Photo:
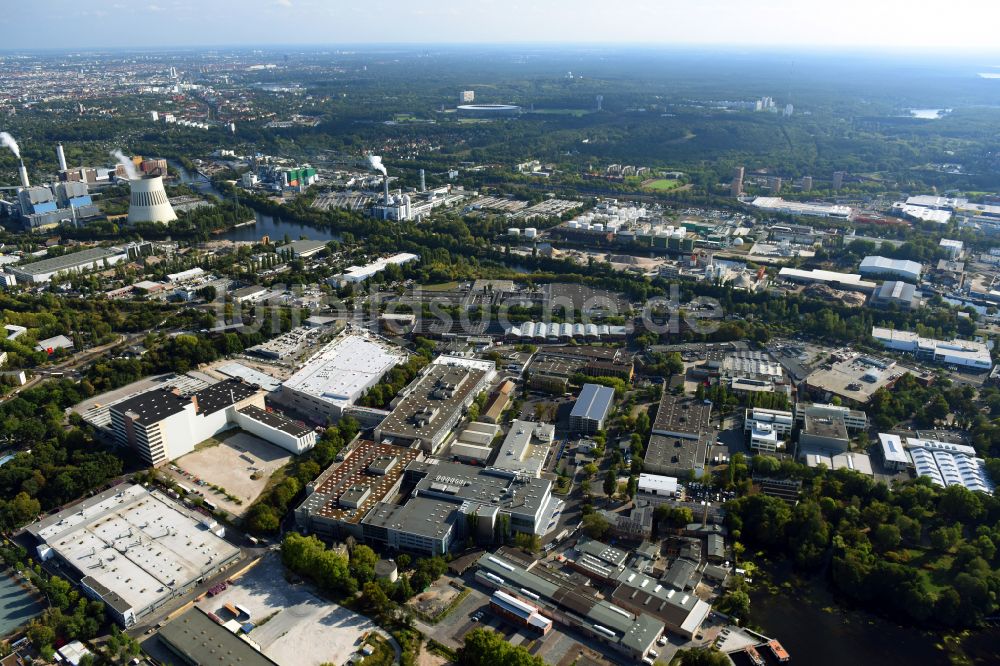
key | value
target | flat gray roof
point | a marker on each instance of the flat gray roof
(421, 516)
(67, 261)
(198, 639)
(682, 417)
(435, 395)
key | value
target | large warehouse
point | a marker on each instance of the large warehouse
(961, 353)
(75, 262)
(338, 374)
(134, 549)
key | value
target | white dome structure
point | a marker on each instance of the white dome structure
(149, 202)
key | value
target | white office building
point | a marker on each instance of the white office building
(962, 353)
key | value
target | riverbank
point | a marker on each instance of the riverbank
(820, 630)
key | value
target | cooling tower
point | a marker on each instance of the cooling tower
(149, 201)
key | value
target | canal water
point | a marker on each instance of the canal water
(805, 617)
(266, 225)
(17, 605)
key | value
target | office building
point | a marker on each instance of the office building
(854, 419)
(338, 374)
(884, 266)
(894, 455)
(591, 408)
(954, 248)
(966, 354)
(133, 549)
(163, 425)
(780, 421)
(823, 432)
(423, 526)
(838, 179)
(428, 409)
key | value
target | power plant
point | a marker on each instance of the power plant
(23, 172)
(149, 202)
(61, 157)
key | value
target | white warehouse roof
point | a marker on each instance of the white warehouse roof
(886, 266)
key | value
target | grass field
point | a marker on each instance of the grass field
(661, 184)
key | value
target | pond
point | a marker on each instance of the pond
(17, 604)
(805, 617)
(277, 229)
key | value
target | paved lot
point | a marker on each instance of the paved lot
(302, 629)
(230, 465)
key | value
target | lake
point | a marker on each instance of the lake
(17, 605)
(805, 617)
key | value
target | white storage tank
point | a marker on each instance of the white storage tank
(513, 231)
(530, 232)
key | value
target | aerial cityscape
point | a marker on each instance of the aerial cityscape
(566, 334)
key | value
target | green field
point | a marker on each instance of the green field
(562, 112)
(662, 184)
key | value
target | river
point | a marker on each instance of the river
(266, 225)
(17, 605)
(805, 617)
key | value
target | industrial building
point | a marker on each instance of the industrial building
(591, 408)
(303, 249)
(134, 549)
(148, 201)
(542, 331)
(163, 425)
(947, 464)
(355, 274)
(962, 353)
(525, 448)
(779, 205)
(428, 409)
(74, 262)
(849, 281)
(275, 428)
(338, 499)
(684, 418)
(520, 612)
(195, 638)
(767, 428)
(338, 374)
(886, 267)
(656, 489)
(896, 292)
(422, 525)
(577, 607)
(680, 611)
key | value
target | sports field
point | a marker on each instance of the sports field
(661, 184)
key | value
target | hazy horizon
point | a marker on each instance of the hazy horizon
(855, 26)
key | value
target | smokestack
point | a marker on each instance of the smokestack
(385, 181)
(423, 181)
(23, 171)
(61, 156)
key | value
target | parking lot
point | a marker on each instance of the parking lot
(294, 626)
(241, 464)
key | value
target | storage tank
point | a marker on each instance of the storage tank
(574, 225)
(513, 231)
(530, 232)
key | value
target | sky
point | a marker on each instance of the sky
(966, 25)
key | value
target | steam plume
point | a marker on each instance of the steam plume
(8, 141)
(375, 164)
(130, 169)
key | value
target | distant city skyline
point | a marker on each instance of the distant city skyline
(965, 25)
